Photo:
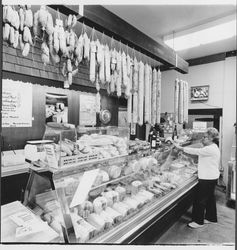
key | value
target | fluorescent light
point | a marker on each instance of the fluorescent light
(205, 36)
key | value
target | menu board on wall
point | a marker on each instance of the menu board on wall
(87, 111)
(16, 103)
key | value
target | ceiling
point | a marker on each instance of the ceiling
(157, 21)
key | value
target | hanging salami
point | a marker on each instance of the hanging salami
(140, 93)
(92, 61)
(153, 97)
(158, 97)
(119, 72)
(181, 94)
(176, 100)
(135, 89)
(146, 93)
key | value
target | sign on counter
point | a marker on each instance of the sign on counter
(16, 103)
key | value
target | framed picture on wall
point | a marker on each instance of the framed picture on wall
(200, 93)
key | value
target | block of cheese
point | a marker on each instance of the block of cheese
(117, 217)
(107, 218)
(99, 204)
(121, 191)
(114, 171)
(122, 208)
(96, 221)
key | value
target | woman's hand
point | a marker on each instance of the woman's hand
(178, 146)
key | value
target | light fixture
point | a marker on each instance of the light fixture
(204, 36)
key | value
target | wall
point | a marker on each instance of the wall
(48, 79)
(221, 77)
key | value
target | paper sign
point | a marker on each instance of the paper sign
(87, 112)
(23, 218)
(133, 129)
(84, 187)
(51, 156)
(16, 103)
(199, 126)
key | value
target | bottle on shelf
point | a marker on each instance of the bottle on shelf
(175, 133)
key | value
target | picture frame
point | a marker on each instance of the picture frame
(199, 93)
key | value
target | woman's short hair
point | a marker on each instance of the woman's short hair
(213, 132)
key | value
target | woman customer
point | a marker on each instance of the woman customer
(204, 205)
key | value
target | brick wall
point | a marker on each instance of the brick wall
(32, 65)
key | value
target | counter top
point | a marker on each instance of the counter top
(8, 227)
(14, 169)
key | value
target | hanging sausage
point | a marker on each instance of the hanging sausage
(146, 93)
(140, 93)
(176, 100)
(158, 97)
(153, 97)
(135, 89)
(181, 94)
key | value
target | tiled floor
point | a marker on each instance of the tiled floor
(219, 234)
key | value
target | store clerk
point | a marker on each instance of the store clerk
(204, 205)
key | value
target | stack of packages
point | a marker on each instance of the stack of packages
(181, 101)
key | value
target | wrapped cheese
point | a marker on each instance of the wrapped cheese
(96, 221)
(107, 218)
(120, 207)
(121, 191)
(116, 216)
(114, 171)
(147, 194)
(136, 186)
(82, 234)
(131, 203)
(99, 204)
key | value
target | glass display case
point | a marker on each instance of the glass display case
(69, 146)
(110, 200)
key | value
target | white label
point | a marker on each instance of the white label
(133, 128)
(51, 156)
(23, 218)
(199, 126)
(84, 187)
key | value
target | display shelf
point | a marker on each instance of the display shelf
(129, 228)
(65, 183)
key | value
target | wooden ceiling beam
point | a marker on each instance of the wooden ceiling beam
(105, 21)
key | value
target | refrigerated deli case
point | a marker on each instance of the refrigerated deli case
(118, 200)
